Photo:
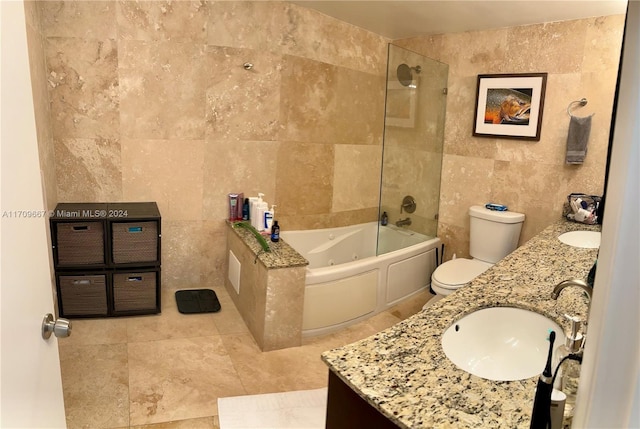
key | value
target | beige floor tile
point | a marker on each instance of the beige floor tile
(167, 371)
(170, 324)
(179, 379)
(201, 423)
(382, 321)
(412, 305)
(229, 320)
(95, 385)
(295, 368)
(97, 331)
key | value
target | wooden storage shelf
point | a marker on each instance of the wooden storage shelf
(107, 258)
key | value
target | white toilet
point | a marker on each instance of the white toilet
(494, 234)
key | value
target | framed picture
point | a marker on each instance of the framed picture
(510, 105)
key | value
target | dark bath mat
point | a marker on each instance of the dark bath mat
(197, 301)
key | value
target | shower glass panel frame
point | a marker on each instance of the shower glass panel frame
(412, 147)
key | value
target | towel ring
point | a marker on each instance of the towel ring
(582, 102)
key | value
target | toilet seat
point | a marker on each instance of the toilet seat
(456, 273)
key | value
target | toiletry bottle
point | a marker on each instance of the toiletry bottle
(253, 210)
(253, 203)
(261, 207)
(245, 209)
(384, 220)
(268, 218)
(239, 206)
(275, 232)
(233, 206)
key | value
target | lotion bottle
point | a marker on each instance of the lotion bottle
(261, 207)
(269, 215)
(253, 203)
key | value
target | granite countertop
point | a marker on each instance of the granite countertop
(281, 255)
(404, 373)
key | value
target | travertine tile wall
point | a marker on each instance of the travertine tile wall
(150, 101)
(44, 127)
(581, 58)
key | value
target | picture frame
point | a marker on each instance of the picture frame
(510, 105)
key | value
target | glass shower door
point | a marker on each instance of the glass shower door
(415, 108)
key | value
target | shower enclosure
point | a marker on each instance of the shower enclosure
(415, 108)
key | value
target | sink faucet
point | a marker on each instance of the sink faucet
(571, 282)
(403, 222)
(577, 283)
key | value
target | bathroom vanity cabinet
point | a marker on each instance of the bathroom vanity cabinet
(346, 409)
(106, 258)
(401, 376)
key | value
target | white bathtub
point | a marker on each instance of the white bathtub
(346, 282)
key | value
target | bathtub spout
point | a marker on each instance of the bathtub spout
(403, 222)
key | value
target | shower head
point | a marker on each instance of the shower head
(405, 73)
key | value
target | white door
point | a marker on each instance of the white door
(31, 387)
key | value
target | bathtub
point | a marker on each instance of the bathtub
(346, 282)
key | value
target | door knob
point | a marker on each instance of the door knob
(61, 328)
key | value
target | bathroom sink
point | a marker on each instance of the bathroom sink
(501, 343)
(584, 239)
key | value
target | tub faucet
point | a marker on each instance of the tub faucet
(403, 222)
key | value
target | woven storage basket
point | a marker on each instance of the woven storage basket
(134, 242)
(134, 291)
(80, 243)
(83, 295)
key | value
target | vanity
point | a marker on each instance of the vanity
(401, 377)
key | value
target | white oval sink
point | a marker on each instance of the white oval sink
(584, 239)
(501, 343)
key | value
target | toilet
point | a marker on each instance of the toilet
(493, 235)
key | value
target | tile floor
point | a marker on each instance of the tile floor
(167, 371)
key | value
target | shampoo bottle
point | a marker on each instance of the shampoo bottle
(275, 232)
(239, 206)
(384, 219)
(245, 209)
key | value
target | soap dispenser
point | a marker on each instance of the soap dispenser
(569, 371)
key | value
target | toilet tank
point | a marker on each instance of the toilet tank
(494, 234)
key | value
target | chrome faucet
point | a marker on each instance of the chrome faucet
(571, 282)
(577, 283)
(403, 222)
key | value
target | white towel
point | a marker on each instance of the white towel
(579, 130)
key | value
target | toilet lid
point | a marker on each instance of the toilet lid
(458, 272)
